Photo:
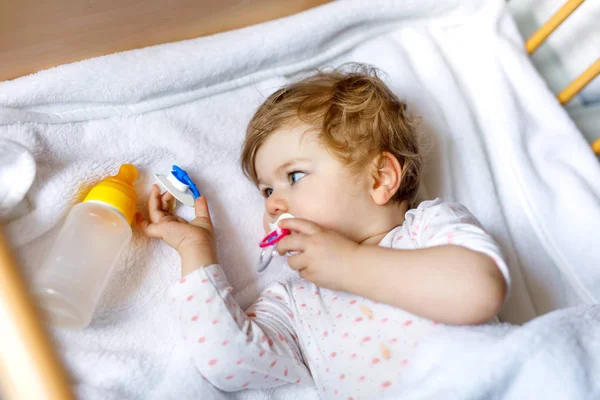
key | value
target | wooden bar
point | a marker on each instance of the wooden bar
(545, 30)
(29, 366)
(596, 147)
(579, 83)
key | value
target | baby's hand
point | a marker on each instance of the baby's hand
(194, 241)
(321, 256)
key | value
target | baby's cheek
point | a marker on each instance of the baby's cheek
(266, 227)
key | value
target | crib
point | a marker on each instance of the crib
(30, 367)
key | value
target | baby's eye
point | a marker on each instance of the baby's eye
(267, 192)
(295, 176)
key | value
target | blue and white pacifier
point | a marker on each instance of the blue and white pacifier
(180, 185)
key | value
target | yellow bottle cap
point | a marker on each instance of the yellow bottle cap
(117, 191)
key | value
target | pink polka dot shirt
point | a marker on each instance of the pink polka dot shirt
(346, 346)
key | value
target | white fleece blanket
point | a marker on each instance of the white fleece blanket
(496, 141)
(556, 356)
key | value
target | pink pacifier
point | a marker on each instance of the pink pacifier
(268, 243)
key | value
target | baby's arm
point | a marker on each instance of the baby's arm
(234, 349)
(457, 276)
(231, 349)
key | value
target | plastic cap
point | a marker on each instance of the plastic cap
(117, 191)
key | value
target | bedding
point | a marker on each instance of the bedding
(495, 140)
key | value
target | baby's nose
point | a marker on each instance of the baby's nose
(276, 205)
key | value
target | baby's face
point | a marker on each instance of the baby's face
(297, 175)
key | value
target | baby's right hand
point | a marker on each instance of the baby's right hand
(194, 241)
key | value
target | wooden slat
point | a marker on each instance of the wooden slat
(29, 366)
(579, 83)
(596, 147)
(545, 30)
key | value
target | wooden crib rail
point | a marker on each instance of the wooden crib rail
(576, 86)
(542, 34)
(582, 80)
(579, 83)
(596, 147)
(29, 366)
(545, 30)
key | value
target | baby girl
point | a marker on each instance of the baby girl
(377, 272)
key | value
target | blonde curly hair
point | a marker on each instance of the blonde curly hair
(357, 117)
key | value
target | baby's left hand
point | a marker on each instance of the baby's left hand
(321, 256)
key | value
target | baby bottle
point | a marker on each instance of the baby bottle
(88, 246)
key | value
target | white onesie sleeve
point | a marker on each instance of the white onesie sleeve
(233, 349)
(437, 224)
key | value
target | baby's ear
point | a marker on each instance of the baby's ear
(386, 177)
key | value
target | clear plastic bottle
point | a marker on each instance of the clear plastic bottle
(87, 248)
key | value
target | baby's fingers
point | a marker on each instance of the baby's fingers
(155, 209)
(298, 261)
(295, 242)
(202, 214)
(146, 227)
(166, 201)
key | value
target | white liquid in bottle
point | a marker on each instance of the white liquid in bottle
(88, 246)
(76, 270)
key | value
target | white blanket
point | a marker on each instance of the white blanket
(496, 141)
(555, 357)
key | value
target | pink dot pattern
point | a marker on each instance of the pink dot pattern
(347, 346)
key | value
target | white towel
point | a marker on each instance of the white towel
(499, 143)
(17, 172)
(554, 357)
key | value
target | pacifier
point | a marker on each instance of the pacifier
(268, 243)
(180, 185)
